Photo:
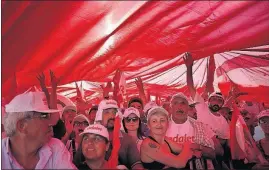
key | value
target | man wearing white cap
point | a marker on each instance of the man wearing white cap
(29, 143)
(183, 128)
(208, 113)
(128, 153)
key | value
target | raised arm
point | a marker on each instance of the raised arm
(53, 96)
(155, 152)
(116, 81)
(140, 87)
(210, 75)
(41, 78)
(189, 63)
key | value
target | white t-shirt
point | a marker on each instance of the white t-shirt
(217, 123)
(180, 132)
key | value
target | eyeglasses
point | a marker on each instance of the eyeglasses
(264, 122)
(44, 116)
(95, 140)
(84, 123)
(134, 119)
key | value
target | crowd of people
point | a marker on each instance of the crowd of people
(182, 132)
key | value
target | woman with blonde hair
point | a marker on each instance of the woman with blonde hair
(159, 152)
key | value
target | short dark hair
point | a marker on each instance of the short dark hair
(135, 99)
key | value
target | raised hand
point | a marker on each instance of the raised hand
(116, 78)
(41, 78)
(106, 89)
(139, 83)
(188, 60)
(54, 81)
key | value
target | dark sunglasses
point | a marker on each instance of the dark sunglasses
(84, 123)
(134, 119)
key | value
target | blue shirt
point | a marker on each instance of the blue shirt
(52, 155)
(258, 133)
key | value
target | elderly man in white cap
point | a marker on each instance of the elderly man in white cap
(128, 154)
(183, 128)
(29, 143)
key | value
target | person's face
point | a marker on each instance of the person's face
(138, 106)
(264, 123)
(215, 103)
(108, 118)
(192, 112)
(247, 117)
(68, 115)
(38, 129)
(158, 124)
(92, 116)
(79, 125)
(94, 147)
(131, 122)
(179, 108)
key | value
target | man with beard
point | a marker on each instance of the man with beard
(29, 143)
(208, 113)
(128, 154)
(185, 129)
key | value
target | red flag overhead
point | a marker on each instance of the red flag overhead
(89, 40)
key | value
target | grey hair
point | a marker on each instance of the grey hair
(11, 119)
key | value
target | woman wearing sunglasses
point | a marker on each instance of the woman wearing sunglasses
(159, 152)
(132, 125)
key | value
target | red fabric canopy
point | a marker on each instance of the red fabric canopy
(88, 40)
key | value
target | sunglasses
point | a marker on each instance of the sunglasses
(134, 119)
(264, 122)
(84, 123)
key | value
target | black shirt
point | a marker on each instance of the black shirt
(59, 130)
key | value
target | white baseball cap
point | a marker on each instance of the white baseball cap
(81, 116)
(70, 107)
(106, 104)
(179, 95)
(149, 105)
(216, 94)
(30, 101)
(156, 109)
(131, 110)
(96, 129)
(264, 113)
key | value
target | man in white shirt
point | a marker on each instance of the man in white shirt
(29, 143)
(208, 113)
(183, 128)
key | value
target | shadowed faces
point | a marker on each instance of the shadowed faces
(108, 118)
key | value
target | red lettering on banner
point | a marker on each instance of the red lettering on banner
(181, 139)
